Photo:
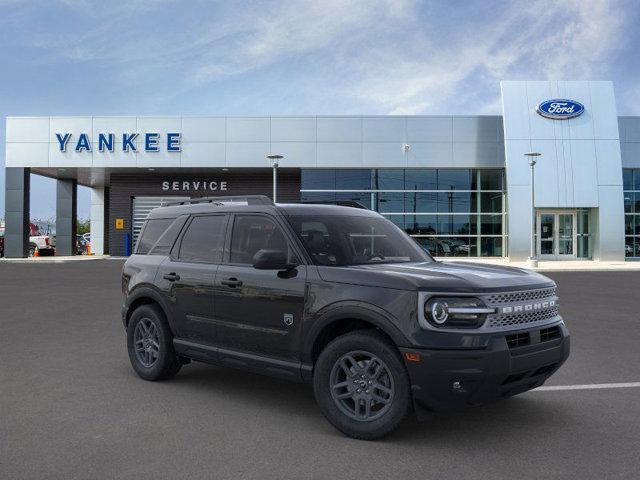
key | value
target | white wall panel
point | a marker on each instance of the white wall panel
(430, 154)
(296, 154)
(339, 129)
(389, 155)
(27, 129)
(384, 129)
(73, 125)
(429, 129)
(341, 154)
(247, 129)
(204, 129)
(248, 154)
(293, 129)
(203, 154)
(26, 154)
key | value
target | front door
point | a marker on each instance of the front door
(556, 235)
(259, 312)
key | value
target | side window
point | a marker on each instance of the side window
(153, 228)
(203, 240)
(168, 238)
(252, 233)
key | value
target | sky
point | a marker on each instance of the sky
(148, 57)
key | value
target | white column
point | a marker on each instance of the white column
(97, 221)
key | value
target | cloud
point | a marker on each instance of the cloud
(391, 56)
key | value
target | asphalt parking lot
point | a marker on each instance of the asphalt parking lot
(72, 408)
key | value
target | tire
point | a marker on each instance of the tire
(343, 394)
(148, 330)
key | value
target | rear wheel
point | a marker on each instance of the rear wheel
(361, 385)
(150, 344)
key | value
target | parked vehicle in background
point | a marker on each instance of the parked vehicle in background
(45, 244)
(81, 245)
(339, 297)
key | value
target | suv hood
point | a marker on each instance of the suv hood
(462, 277)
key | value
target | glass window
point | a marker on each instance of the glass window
(457, 225)
(490, 224)
(318, 197)
(390, 202)
(421, 179)
(458, 202)
(491, 247)
(354, 240)
(353, 179)
(454, 179)
(203, 240)
(318, 179)
(636, 179)
(363, 198)
(421, 202)
(491, 202)
(490, 179)
(398, 220)
(151, 232)
(252, 233)
(421, 224)
(629, 224)
(627, 178)
(389, 179)
(168, 238)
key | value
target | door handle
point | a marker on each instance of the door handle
(172, 277)
(232, 282)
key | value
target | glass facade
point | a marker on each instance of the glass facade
(450, 212)
(631, 181)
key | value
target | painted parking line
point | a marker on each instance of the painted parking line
(590, 386)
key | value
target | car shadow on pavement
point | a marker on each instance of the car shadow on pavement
(530, 412)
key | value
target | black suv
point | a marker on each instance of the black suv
(339, 297)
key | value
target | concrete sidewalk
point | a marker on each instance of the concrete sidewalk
(556, 266)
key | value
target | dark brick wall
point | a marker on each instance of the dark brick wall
(123, 187)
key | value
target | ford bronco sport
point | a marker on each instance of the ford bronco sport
(339, 297)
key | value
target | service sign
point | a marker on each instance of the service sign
(106, 142)
(560, 109)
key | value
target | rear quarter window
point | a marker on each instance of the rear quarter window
(151, 233)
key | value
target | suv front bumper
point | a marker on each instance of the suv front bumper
(447, 379)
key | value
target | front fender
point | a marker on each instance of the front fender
(353, 310)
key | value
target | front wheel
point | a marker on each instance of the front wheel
(150, 344)
(361, 385)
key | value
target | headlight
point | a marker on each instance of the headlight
(455, 312)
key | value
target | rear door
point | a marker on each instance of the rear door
(187, 276)
(259, 311)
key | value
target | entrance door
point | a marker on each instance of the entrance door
(557, 235)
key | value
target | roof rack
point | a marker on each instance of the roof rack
(340, 203)
(224, 200)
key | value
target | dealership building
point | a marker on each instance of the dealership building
(461, 185)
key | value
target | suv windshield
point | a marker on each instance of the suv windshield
(342, 240)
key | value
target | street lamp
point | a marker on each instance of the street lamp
(532, 261)
(274, 163)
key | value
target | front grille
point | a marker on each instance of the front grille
(521, 296)
(523, 318)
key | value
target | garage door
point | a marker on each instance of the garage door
(141, 208)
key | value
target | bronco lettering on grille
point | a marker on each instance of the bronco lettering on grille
(527, 307)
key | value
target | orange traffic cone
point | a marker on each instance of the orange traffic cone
(36, 253)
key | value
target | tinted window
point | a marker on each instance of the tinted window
(252, 233)
(168, 238)
(204, 239)
(451, 179)
(153, 228)
(339, 240)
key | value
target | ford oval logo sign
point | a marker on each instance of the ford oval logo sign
(560, 109)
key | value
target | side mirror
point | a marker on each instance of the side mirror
(272, 260)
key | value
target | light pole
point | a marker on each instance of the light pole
(532, 261)
(274, 163)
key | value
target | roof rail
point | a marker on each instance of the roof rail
(340, 203)
(222, 200)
